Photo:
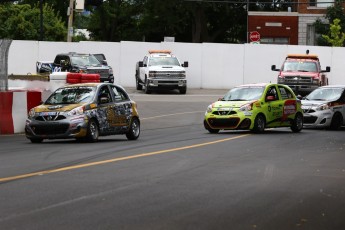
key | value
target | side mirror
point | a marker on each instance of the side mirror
(141, 64)
(104, 62)
(185, 64)
(328, 69)
(274, 68)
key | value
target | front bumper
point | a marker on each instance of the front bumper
(230, 122)
(318, 119)
(73, 127)
(302, 88)
(167, 83)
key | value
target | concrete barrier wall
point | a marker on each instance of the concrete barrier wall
(210, 65)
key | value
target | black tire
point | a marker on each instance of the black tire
(297, 123)
(111, 79)
(139, 86)
(209, 129)
(134, 129)
(337, 121)
(183, 90)
(36, 140)
(259, 123)
(92, 131)
(147, 87)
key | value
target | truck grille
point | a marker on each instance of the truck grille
(169, 74)
(298, 79)
(104, 73)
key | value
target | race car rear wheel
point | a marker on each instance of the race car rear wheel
(337, 121)
(259, 123)
(297, 123)
(134, 129)
(92, 131)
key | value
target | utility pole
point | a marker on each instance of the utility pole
(70, 21)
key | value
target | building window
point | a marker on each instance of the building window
(268, 40)
(311, 35)
(321, 3)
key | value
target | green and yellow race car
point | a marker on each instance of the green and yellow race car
(255, 107)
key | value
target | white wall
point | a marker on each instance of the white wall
(211, 65)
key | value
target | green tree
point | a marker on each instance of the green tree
(333, 12)
(336, 37)
(22, 22)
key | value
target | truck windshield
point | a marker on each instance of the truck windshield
(85, 60)
(244, 94)
(299, 66)
(71, 95)
(153, 61)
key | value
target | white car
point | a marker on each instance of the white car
(325, 107)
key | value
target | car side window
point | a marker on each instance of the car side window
(104, 95)
(272, 91)
(285, 93)
(120, 95)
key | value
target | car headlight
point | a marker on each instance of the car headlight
(209, 108)
(152, 73)
(316, 81)
(76, 111)
(323, 107)
(280, 79)
(246, 107)
(31, 113)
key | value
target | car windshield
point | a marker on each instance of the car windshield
(244, 94)
(85, 60)
(163, 61)
(325, 94)
(300, 66)
(71, 95)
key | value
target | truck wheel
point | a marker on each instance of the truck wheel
(147, 87)
(183, 90)
(297, 123)
(111, 79)
(139, 86)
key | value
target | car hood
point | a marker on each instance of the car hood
(56, 108)
(313, 103)
(302, 74)
(229, 104)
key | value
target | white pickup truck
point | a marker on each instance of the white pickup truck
(161, 70)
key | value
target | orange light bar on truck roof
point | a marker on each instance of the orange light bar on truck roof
(303, 56)
(160, 51)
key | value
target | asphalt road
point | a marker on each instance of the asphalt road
(176, 176)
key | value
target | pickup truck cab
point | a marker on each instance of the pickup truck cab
(161, 70)
(78, 63)
(302, 72)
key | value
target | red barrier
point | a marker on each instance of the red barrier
(6, 121)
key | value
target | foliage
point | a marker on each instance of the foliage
(333, 12)
(22, 22)
(336, 37)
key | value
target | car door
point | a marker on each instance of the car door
(105, 110)
(289, 104)
(122, 108)
(274, 107)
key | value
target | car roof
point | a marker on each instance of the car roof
(255, 85)
(91, 84)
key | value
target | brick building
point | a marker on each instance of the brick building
(293, 27)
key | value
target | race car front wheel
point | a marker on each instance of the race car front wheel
(259, 123)
(92, 131)
(134, 130)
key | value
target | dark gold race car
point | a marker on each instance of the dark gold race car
(85, 112)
